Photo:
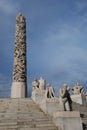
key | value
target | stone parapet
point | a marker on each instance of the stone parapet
(51, 105)
(79, 98)
(68, 120)
(38, 95)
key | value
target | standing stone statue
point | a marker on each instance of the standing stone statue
(42, 84)
(65, 97)
(49, 92)
(35, 84)
(77, 89)
(19, 83)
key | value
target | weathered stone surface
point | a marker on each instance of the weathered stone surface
(83, 113)
(23, 114)
(50, 106)
(65, 97)
(42, 83)
(39, 84)
(38, 95)
(35, 84)
(77, 89)
(49, 92)
(68, 120)
(19, 70)
(86, 97)
(79, 98)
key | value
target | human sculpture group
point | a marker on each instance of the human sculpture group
(64, 92)
(41, 84)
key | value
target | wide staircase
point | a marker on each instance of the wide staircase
(83, 113)
(23, 114)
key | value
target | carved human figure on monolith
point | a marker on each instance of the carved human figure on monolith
(49, 92)
(42, 83)
(77, 89)
(65, 97)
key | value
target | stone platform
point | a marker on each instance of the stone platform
(83, 113)
(24, 114)
(67, 120)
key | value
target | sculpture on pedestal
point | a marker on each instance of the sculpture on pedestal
(65, 97)
(35, 84)
(42, 83)
(77, 89)
(49, 91)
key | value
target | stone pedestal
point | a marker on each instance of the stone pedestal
(38, 95)
(18, 90)
(51, 105)
(67, 120)
(80, 99)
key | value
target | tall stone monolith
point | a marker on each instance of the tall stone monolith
(19, 83)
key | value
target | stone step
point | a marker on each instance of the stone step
(38, 129)
(8, 124)
(23, 114)
(14, 128)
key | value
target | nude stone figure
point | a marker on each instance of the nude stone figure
(42, 84)
(49, 91)
(65, 97)
(35, 84)
(77, 89)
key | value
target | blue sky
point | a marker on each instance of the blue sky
(56, 41)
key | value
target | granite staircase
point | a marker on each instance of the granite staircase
(83, 113)
(23, 114)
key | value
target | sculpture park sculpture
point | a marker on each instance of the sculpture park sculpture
(77, 89)
(35, 84)
(65, 98)
(42, 83)
(49, 91)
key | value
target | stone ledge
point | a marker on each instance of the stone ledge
(65, 114)
(68, 120)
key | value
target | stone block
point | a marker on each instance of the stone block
(18, 90)
(38, 95)
(80, 99)
(86, 97)
(68, 120)
(51, 105)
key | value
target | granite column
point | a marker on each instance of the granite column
(19, 83)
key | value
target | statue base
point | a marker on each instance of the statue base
(51, 105)
(68, 120)
(18, 90)
(38, 95)
(80, 99)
